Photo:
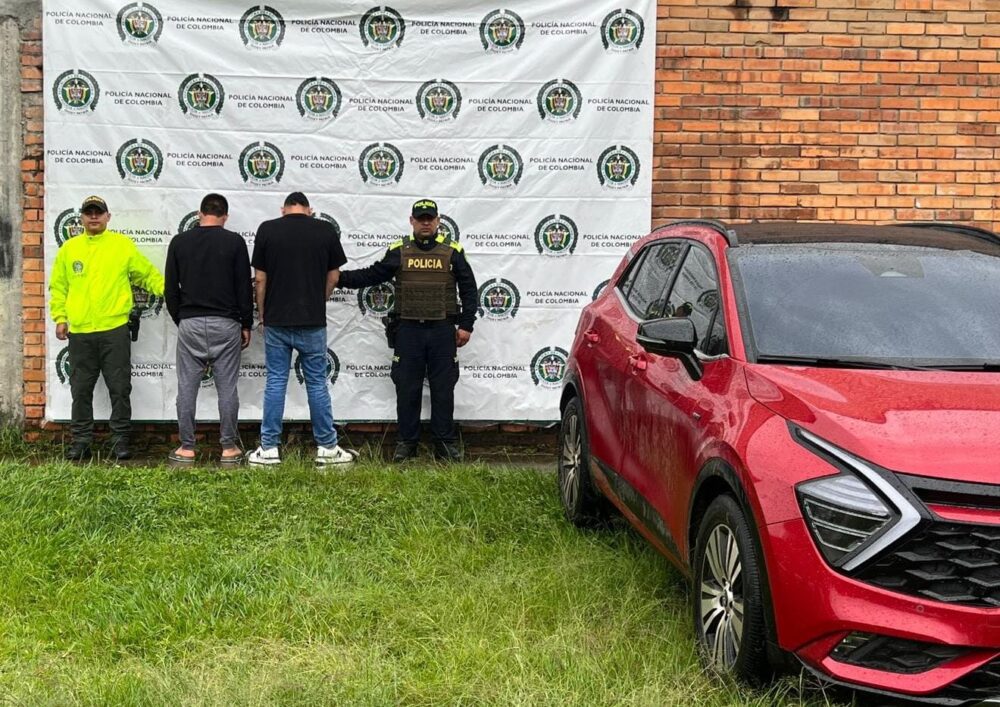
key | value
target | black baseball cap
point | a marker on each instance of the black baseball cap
(424, 207)
(296, 198)
(94, 202)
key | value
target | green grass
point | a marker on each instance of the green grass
(374, 586)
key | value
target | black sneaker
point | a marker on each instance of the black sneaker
(447, 452)
(78, 452)
(404, 452)
(120, 450)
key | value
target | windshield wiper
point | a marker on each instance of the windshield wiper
(986, 366)
(872, 363)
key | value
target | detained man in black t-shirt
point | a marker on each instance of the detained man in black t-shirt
(297, 260)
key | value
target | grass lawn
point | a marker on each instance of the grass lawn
(374, 586)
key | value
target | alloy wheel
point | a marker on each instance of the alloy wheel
(722, 600)
(570, 460)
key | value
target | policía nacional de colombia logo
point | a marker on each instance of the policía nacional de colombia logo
(501, 31)
(378, 300)
(382, 28)
(548, 367)
(262, 27)
(318, 98)
(139, 161)
(622, 31)
(499, 299)
(500, 166)
(62, 365)
(556, 235)
(68, 225)
(261, 163)
(559, 101)
(139, 23)
(381, 164)
(330, 220)
(448, 228)
(439, 100)
(76, 91)
(190, 220)
(201, 95)
(332, 368)
(148, 304)
(618, 167)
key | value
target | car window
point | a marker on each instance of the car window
(893, 302)
(695, 295)
(651, 277)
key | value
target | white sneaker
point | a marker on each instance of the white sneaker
(335, 455)
(264, 457)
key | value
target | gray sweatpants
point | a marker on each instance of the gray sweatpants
(205, 343)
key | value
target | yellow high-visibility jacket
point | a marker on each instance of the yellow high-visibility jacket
(91, 283)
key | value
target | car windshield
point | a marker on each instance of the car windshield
(894, 303)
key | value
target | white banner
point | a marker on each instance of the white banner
(531, 124)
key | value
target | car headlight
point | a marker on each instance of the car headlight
(856, 514)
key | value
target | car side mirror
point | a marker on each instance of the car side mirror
(675, 337)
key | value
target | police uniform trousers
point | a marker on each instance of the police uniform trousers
(425, 350)
(101, 353)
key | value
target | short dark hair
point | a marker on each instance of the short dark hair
(214, 205)
(296, 198)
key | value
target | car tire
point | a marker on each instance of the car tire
(582, 503)
(728, 594)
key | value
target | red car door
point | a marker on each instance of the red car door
(667, 414)
(603, 365)
(605, 338)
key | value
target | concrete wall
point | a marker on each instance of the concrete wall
(15, 17)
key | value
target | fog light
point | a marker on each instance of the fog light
(893, 655)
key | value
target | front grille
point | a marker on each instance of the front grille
(981, 684)
(893, 655)
(956, 563)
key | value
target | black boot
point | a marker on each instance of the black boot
(404, 452)
(447, 452)
(121, 450)
(78, 452)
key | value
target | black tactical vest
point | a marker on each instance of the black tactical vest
(425, 285)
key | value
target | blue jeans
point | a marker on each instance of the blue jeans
(310, 342)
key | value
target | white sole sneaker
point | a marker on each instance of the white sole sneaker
(335, 456)
(259, 457)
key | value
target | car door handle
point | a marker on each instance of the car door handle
(591, 337)
(638, 362)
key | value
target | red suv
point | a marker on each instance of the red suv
(804, 418)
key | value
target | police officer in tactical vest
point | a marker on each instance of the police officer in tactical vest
(429, 323)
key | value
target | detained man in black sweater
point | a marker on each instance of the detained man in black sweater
(210, 297)
(428, 325)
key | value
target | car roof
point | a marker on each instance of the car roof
(945, 236)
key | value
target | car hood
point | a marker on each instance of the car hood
(944, 424)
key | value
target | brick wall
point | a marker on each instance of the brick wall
(33, 276)
(862, 110)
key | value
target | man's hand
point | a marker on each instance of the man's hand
(62, 331)
(462, 337)
(244, 338)
(332, 278)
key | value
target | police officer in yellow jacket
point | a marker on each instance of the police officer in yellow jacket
(90, 301)
(429, 323)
